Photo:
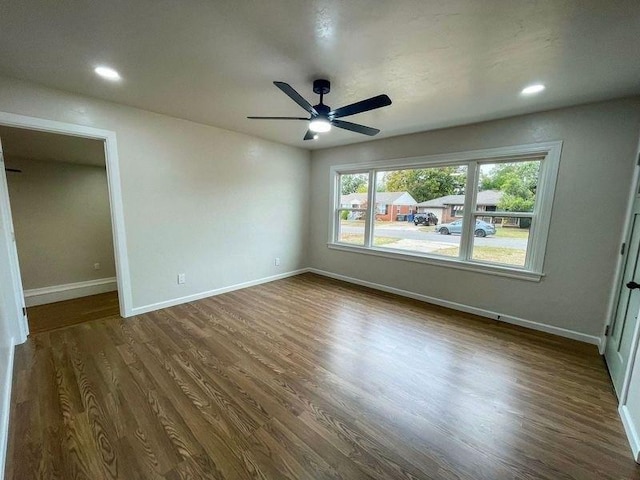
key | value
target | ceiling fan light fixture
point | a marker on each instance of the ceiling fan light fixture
(322, 118)
(319, 125)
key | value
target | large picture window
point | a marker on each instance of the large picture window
(487, 210)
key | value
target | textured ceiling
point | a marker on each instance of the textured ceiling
(442, 62)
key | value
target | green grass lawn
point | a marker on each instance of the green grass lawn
(506, 256)
(512, 232)
(358, 239)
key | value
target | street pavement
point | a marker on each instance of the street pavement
(411, 237)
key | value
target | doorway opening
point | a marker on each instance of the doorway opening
(61, 225)
(59, 201)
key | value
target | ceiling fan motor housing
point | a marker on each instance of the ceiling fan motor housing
(321, 86)
(322, 109)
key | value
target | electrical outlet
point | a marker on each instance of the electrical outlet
(181, 278)
(276, 262)
(96, 266)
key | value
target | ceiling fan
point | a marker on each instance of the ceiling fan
(322, 117)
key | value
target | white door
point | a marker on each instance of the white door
(621, 330)
(10, 281)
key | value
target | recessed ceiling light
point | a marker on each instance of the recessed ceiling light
(533, 89)
(108, 73)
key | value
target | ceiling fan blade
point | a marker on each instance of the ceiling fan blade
(296, 97)
(362, 106)
(356, 127)
(278, 118)
(309, 135)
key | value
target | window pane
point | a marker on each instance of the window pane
(508, 187)
(353, 190)
(351, 227)
(414, 205)
(505, 187)
(507, 246)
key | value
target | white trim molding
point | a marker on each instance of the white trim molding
(115, 193)
(542, 327)
(217, 291)
(470, 266)
(6, 361)
(547, 153)
(631, 431)
(68, 291)
(12, 309)
(630, 427)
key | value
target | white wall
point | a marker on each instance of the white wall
(62, 222)
(593, 187)
(210, 203)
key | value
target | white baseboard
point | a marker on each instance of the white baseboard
(58, 293)
(211, 293)
(602, 345)
(631, 431)
(6, 377)
(563, 332)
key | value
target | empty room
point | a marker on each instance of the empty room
(320, 239)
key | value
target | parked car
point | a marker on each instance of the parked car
(482, 228)
(425, 219)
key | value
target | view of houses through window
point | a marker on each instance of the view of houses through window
(353, 207)
(421, 210)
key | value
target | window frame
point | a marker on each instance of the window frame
(339, 208)
(548, 153)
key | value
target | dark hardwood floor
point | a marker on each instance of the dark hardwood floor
(310, 378)
(43, 318)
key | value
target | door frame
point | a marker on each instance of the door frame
(617, 284)
(123, 276)
(16, 293)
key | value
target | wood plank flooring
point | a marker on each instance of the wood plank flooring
(43, 318)
(311, 378)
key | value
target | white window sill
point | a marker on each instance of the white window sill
(478, 267)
